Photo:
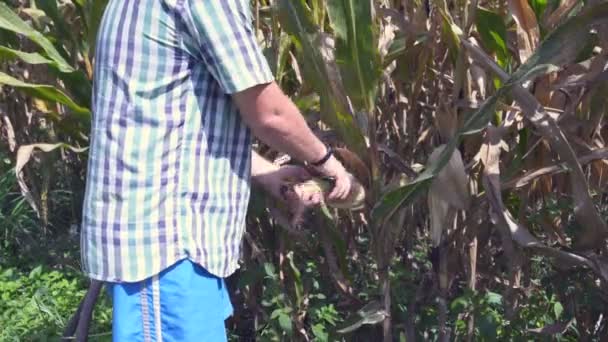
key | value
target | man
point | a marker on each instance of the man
(179, 87)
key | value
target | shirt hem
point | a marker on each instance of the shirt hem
(233, 265)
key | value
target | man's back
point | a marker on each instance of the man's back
(170, 157)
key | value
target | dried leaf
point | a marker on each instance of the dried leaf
(553, 329)
(593, 227)
(451, 183)
(448, 189)
(588, 73)
(295, 67)
(556, 16)
(438, 212)
(354, 165)
(24, 154)
(9, 132)
(387, 36)
(503, 217)
(479, 77)
(519, 182)
(371, 313)
(528, 33)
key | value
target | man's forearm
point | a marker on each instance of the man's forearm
(276, 121)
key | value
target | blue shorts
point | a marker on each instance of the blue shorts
(183, 303)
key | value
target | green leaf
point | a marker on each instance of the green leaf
(493, 32)
(76, 81)
(275, 313)
(538, 6)
(393, 200)
(357, 55)
(285, 323)
(10, 21)
(94, 10)
(493, 298)
(320, 334)
(78, 85)
(314, 56)
(45, 92)
(396, 49)
(558, 309)
(337, 239)
(451, 33)
(270, 270)
(283, 54)
(36, 272)
(460, 304)
(553, 53)
(298, 285)
(50, 8)
(27, 57)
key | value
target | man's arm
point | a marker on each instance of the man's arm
(275, 120)
(240, 68)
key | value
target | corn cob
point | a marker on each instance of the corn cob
(354, 201)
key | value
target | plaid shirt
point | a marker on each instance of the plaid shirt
(169, 162)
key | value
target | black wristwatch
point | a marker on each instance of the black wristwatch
(325, 158)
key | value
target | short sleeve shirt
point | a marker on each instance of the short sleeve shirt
(169, 162)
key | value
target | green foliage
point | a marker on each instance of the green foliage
(356, 52)
(10, 21)
(45, 92)
(319, 71)
(493, 33)
(36, 305)
(17, 219)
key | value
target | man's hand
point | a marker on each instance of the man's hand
(278, 180)
(334, 169)
(276, 121)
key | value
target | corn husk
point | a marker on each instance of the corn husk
(354, 201)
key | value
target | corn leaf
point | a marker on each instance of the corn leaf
(356, 52)
(528, 33)
(76, 81)
(493, 32)
(539, 7)
(393, 200)
(10, 21)
(396, 49)
(564, 8)
(316, 60)
(27, 57)
(45, 92)
(553, 53)
(24, 154)
(50, 8)
(94, 10)
(593, 226)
